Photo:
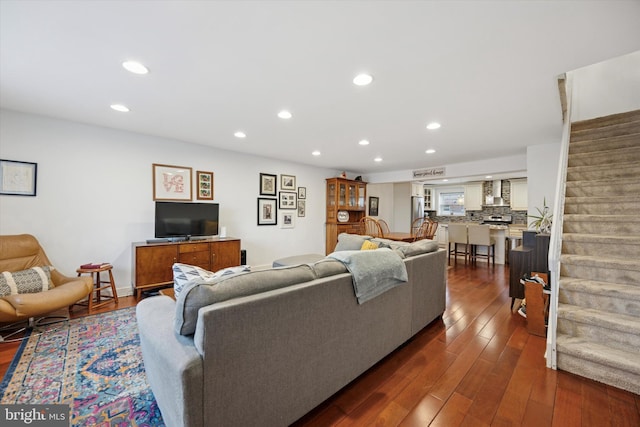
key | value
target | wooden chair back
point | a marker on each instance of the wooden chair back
(371, 227)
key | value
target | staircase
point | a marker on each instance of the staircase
(598, 326)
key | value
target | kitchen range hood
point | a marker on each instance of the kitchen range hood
(495, 199)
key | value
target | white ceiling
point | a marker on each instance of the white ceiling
(486, 70)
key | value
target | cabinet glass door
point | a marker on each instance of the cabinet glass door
(342, 195)
(331, 194)
(353, 193)
(362, 191)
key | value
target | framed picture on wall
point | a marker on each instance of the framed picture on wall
(171, 182)
(373, 206)
(302, 207)
(204, 185)
(268, 184)
(267, 211)
(287, 200)
(302, 192)
(18, 178)
(287, 220)
(287, 183)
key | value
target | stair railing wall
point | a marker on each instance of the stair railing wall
(555, 244)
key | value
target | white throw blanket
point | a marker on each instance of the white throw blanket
(373, 271)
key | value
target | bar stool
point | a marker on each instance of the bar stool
(100, 300)
(458, 236)
(480, 235)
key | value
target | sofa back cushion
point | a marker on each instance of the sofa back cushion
(420, 247)
(350, 242)
(328, 267)
(200, 293)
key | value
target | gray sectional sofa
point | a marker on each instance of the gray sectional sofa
(263, 348)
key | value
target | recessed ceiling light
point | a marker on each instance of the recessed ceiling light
(120, 107)
(240, 134)
(445, 180)
(488, 176)
(362, 79)
(284, 114)
(363, 142)
(135, 67)
(377, 159)
(433, 125)
(430, 151)
(315, 153)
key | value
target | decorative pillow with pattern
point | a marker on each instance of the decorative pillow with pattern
(184, 273)
(30, 281)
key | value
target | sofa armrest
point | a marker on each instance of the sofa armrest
(172, 363)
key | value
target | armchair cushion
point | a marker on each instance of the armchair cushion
(32, 280)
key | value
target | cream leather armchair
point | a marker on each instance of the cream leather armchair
(20, 252)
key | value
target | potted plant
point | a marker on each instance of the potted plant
(542, 223)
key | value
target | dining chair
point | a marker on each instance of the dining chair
(371, 227)
(458, 236)
(416, 224)
(427, 230)
(385, 227)
(480, 235)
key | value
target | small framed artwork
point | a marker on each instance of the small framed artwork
(302, 207)
(267, 211)
(302, 192)
(373, 206)
(204, 185)
(287, 183)
(18, 178)
(268, 184)
(287, 220)
(171, 182)
(287, 200)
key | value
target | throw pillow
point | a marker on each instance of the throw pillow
(350, 242)
(32, 280)
(184, 273)
(368, 245)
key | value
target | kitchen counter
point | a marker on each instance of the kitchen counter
(499, 232)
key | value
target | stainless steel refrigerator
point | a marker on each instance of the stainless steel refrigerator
(417, 208)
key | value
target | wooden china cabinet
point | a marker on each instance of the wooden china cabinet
(346, 206)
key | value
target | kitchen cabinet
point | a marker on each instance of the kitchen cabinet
(344, 195)
(428, 199)
(416, 190)
(519, 195)
(473, 196)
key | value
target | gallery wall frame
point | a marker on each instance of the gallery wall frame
(287, 182)
(267, 211)
(287, 200)
(287, 219)
(171, 183)
(302, 192)
(18, 178)
(302, 208)
(204, 185)
(268, 184)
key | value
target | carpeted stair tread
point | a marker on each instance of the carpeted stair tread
(603, 187)
(602, 319)
(627, 116)
(601, 268)
(606, 131)
(599, 362)
(615, 205)
(601, 224)
(613, 297)
(599, 172)
(598, 145)
(597, 244)
(606, 157)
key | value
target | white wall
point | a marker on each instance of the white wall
(94, 193)
(384, 192)
(606, 88)
(542, 174)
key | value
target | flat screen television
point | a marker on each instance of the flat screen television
(186, 219)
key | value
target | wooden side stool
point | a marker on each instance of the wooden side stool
(100, 300)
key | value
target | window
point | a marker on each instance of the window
(451, 203)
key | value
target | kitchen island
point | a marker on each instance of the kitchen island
(498, 232)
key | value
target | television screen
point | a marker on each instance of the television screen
(179, 219)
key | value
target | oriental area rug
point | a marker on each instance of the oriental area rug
(93, 364)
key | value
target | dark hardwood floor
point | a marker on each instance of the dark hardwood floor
(477, 366)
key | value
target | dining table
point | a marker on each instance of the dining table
(399, 236)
